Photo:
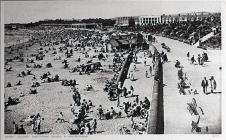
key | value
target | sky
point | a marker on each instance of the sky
(32, 11)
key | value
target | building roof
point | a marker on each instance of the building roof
(84, 24)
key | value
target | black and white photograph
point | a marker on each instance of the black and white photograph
(111, 67)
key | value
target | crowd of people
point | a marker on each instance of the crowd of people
(82, 41)
(200, 59)
(183, 78)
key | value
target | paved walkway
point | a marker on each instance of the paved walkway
(177, 118)
(143, 86)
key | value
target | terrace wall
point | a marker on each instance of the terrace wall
(124, 71)
(156, 114)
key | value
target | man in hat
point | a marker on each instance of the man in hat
(204, 85)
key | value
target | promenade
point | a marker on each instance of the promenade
(177, 119)
(143, 86)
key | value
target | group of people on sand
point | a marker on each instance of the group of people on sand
(35, 121)
(137, 108)
(18, 130)
(80, 111)
(108, 114)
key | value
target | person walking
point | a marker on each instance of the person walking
(137, 99)
(33, 124)
(205, 56)
(87, 128)
(180, 74)
(145, 62)
(16, 128)
(193, 59)
(132, 90)
(124, 91)
(38, 123)
(213, 84)
(204, 85)
(188, 55)
(132, 122)
(150, 69)
(165, 58)
(199, 59)
(146, 74)
(132, 77)
(134, 67)
(120, 85)
(94, 126)
(100, 110)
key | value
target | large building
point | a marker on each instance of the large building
(149, 20)
(124, 21)
(196, 16)
(141, 20)
(165, 19)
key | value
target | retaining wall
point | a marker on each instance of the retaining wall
(124, 71)
(156, 115)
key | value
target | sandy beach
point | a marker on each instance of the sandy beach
(53, 98)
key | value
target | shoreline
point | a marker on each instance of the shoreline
(17, 45)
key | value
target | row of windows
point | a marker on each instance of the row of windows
(123, 18)
(185, 18)
(150, 19)
(164, 18)
(149, 22)
(161, 20)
